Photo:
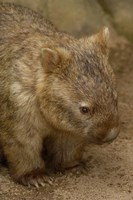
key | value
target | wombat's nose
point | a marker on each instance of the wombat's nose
(112, 134)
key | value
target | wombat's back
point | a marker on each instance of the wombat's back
(16, 20)
(18, 26)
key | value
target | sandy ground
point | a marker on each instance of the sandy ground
(109, 174)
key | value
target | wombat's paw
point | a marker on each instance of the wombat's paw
(36, 179)
(82, 168)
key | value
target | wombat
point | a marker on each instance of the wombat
(57, 95)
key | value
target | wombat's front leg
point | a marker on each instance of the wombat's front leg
(63, 151)
(23, 153)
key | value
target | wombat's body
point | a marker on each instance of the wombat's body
(55, 91)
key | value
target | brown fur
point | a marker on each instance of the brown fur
(46, 77)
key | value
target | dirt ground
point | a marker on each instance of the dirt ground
(109, 174)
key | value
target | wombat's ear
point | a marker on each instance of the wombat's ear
(53, 58)
(101, 39)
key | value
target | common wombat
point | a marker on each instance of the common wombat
(57, 94)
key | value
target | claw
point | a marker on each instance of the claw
(41, 181)
(50, 182)
(42, 184)
(34, 183)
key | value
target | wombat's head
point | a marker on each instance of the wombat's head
(79, 94)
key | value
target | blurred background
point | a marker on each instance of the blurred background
(83, 17)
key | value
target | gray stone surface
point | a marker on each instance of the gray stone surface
(121, 12)
(78, 17)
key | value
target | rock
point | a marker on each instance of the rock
(121, 12)
(78, 17)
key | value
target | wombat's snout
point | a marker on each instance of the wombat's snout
(112, 134)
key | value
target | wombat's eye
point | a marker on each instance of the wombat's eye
(84, 110)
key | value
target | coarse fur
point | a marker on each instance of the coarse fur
(47, 79)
